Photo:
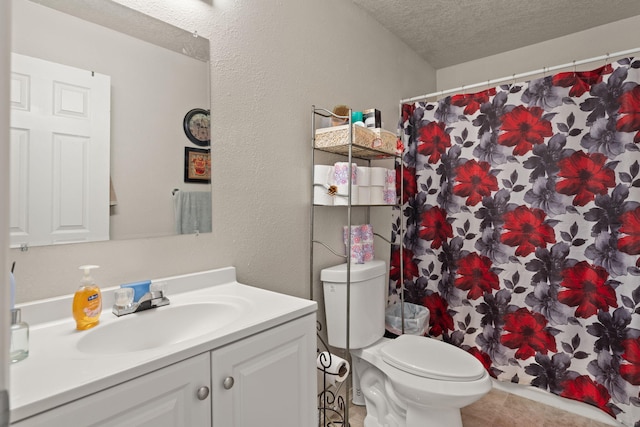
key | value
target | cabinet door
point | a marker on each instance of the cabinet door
(268, 379)
(164, 398)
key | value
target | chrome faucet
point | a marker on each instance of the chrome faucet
(154, 298)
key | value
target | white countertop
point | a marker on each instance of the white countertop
(57, 372)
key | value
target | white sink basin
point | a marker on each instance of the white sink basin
(158, 327)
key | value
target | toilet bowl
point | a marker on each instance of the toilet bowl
(430, 384)
(410, 381)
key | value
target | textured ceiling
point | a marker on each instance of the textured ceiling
(449, 32)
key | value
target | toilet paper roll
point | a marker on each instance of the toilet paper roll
(366, 233)
(367, 249)
(378, 176)
(321, 196)
(323, 174)
(341, 173)
(391, 178)
(357, 253)
(356, 234)
(390, 196)
(342, 199)
(377, 195)
(364, 195)
(364, 175)
(336, 368)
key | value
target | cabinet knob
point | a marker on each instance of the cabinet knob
(202, 393)
(228, 383)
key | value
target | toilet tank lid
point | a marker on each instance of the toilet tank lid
(359, 272)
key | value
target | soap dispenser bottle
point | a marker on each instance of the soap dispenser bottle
(87, 301)
(19, 344)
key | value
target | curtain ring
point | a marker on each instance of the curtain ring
(462, 90)
(514, 79)
(606, 59)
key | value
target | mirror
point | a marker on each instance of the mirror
(158, 73)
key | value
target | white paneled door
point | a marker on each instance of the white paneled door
(60, 138)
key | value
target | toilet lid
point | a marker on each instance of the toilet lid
(431, 358)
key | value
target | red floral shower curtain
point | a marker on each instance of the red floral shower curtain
(521, 217)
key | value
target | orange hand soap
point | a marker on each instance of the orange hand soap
(87, 301)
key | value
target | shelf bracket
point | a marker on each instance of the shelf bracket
(329, 249)
(383, 238)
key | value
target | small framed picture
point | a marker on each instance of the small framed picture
(197, 165)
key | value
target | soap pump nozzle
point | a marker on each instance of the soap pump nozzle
(87, 279)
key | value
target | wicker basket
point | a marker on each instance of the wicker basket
(385, 141)
(339, 135)
(367, 142)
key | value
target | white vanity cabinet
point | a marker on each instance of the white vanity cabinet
(222, 354)
(267, 379)
(164, 398)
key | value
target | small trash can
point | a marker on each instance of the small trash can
(416, 319)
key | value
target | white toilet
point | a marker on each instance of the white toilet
(410, 381)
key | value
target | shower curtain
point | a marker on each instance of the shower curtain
(521, 219)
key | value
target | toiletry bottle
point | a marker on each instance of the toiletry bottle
(87, 301)
(19, 344)
(19, 347)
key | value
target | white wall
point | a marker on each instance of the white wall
(597, 41)
(271, 60)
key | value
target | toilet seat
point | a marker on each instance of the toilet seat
(431, 358)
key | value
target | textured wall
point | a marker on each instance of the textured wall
(618, 36)
(271, 60)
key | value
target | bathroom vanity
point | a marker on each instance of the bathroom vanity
(220, 354)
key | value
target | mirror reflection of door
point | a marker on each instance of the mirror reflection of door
(158, 73)
(60, 133)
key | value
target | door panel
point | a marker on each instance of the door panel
(60, 143)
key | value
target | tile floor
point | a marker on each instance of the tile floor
(501, 409)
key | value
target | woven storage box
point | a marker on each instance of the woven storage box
(367, 142)
(385, 141)
(335, 138)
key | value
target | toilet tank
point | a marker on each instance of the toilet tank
(368, 301)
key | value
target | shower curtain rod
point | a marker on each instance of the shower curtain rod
(543, 70)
